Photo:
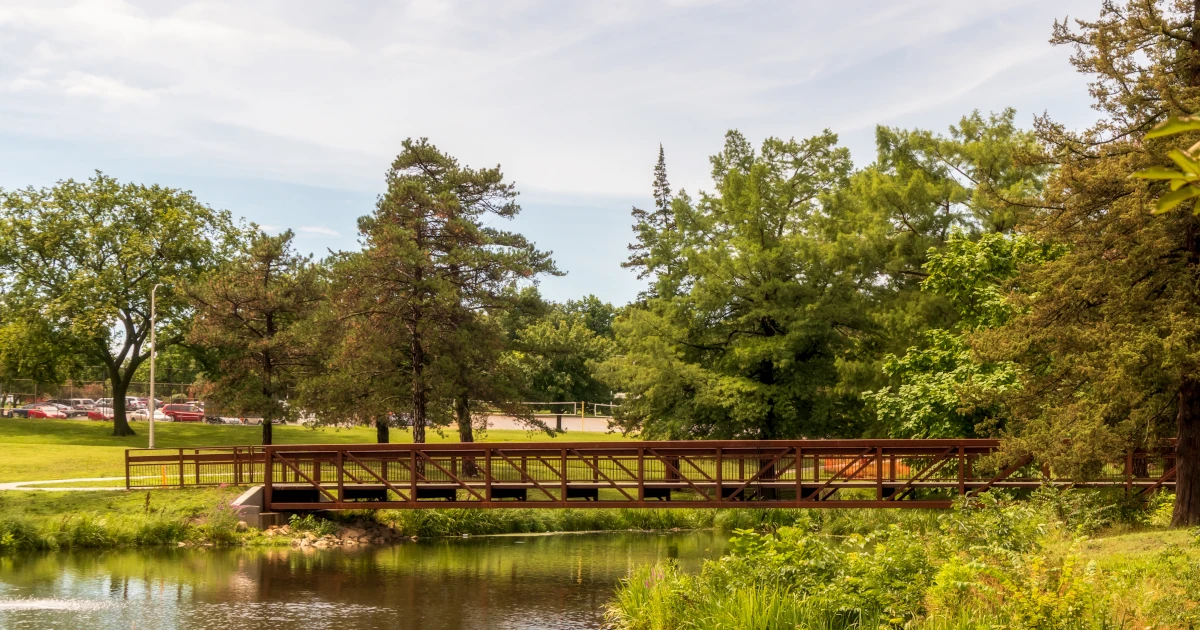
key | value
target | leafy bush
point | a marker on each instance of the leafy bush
(312, 523)
(993, 562)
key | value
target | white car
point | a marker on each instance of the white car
(144, 416)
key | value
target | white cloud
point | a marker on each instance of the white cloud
(572, 98)
(324, 231)
(106, 88)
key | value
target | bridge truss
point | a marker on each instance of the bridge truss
(802, 473)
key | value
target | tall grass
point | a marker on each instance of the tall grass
(991, 563)
(93, 530)
(455, 522)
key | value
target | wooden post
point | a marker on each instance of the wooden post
(799, 474)
(268, 478)
(563, 490)
(641, 480)
(720, 464)
(1129, 472)
(962, 480)
(487, 474)
(878, 473)
(126, 468)
(197, 462)
(237, 466)
(341, 462)
(412, 474)
(180, 468)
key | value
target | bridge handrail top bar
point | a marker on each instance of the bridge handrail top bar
(699, 445)
(655, 444)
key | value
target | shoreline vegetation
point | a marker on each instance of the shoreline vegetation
(1058, 559)
(31, 521)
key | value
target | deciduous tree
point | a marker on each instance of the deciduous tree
(84, 256)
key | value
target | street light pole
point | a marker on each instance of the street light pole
(150, 403)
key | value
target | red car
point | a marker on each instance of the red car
(100, 413)
(184, 413)
(45, 411)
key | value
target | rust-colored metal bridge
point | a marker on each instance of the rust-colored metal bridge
(800, 473)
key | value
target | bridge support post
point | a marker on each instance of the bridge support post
(563, 485)
(878, 473)
(720, 464)
(341, 466)
(268, 479)
(962, 473)
(799, 475)
(1129, 473)
(412, 476)
(641, 480)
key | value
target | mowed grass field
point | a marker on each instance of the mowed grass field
(32, 450)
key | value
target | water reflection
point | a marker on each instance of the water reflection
(502, 582)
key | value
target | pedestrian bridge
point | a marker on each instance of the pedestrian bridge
(784, 473)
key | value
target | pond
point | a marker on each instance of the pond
(560, 581)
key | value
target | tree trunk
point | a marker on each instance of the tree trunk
(381, 430)
(466, 433)
(418, 389)
(1187, 457)
(121, 426)
(462, 413)
(266, 433)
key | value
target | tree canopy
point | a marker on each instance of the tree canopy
(253, 311)
(80, 260)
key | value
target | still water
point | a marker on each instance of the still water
(489, 582)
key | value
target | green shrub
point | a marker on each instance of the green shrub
(312, 523)
(992, 562)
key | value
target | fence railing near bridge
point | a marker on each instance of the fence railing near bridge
(814, 473)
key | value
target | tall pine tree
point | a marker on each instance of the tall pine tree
(431, 262)
(251, 311)
(1109, 333)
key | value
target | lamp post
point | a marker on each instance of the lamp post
(150, 403)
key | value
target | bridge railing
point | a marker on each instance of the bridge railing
(201, 466)
(910, 473)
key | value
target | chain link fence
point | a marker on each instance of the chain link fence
(20, 392)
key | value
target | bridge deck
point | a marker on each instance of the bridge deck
(804, 473)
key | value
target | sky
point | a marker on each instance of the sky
(287, 113)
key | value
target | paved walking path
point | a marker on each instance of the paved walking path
(35, 485)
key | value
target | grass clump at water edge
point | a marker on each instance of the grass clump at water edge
(991, 563)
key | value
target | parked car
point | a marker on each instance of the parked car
(130, 403)
(184, 413)
(144, 415)
(23, 411)
(41, 410)
(100, 413)
(70, 407)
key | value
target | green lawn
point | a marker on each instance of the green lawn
(66, 449)
(184, 502)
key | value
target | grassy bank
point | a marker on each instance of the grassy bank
(1060, 560)
(99, 519)
(65, 449)
(78, 520)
